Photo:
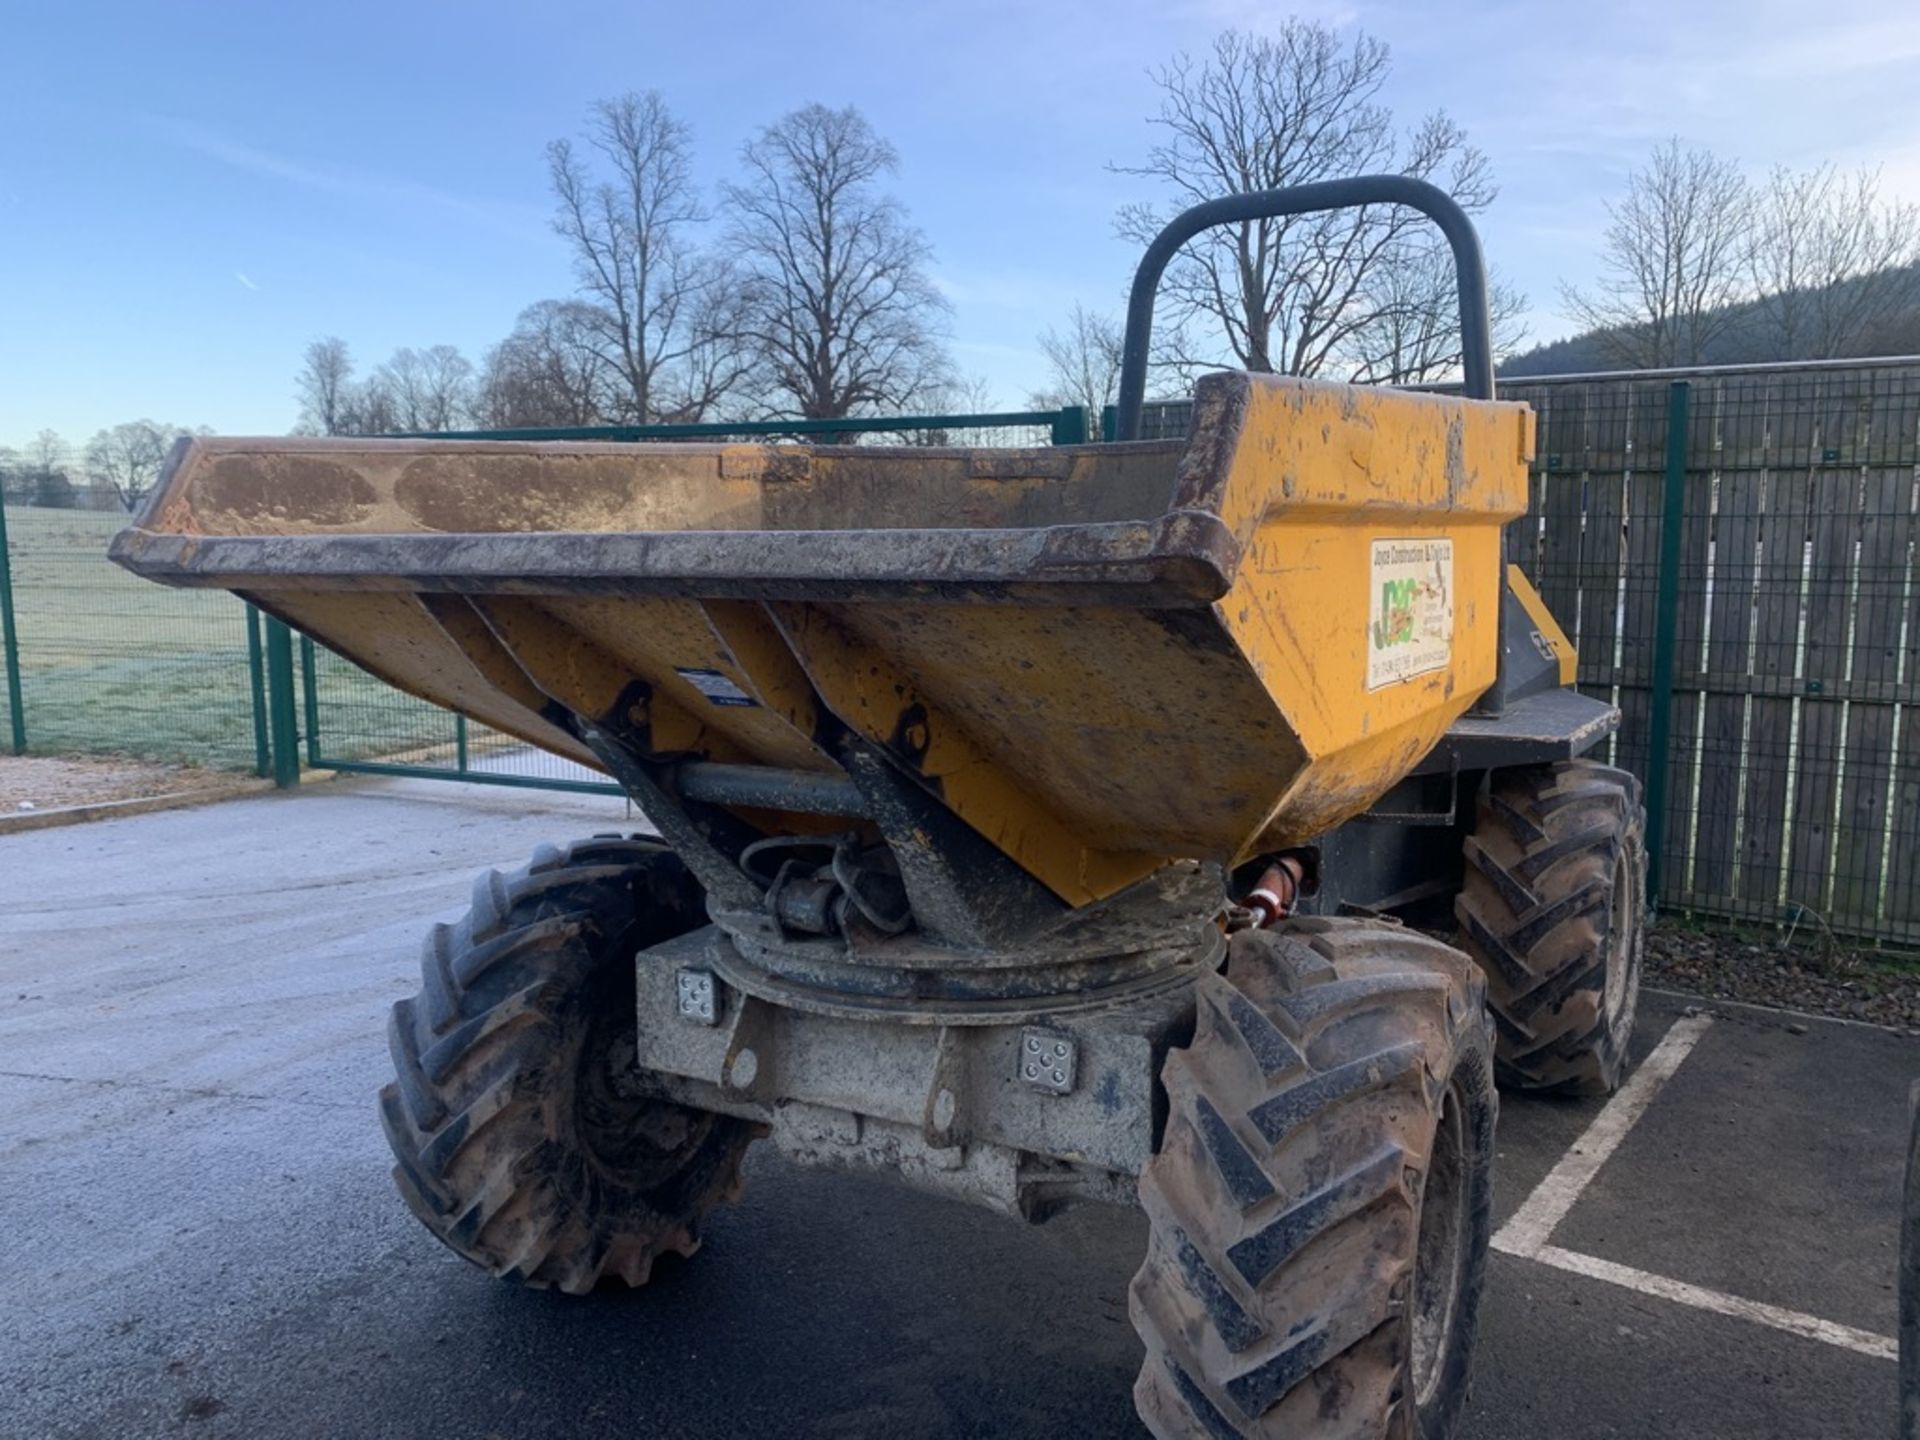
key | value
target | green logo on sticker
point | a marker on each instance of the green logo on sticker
(1395, 625)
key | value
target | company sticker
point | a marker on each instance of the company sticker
(1410, 611)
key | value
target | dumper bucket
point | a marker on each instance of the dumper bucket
(1100, 657)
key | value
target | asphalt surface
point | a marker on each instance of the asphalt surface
(199, 1236)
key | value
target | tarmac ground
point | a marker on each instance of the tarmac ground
(201, 1238)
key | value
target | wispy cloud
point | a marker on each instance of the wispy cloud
(347, 182)
(245, 279)
(1262, 15)
(996, 350)
(997, 289)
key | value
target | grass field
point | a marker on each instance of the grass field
(114, 665)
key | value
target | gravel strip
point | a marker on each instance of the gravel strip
(43, 782)
(1847, 984)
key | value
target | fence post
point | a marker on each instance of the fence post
(280, 705)
(257, 685)
(310, 697)
(460, 742)
(10, 642)
(1070, 425)
(1665, 622)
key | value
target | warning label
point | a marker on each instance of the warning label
(1410, 613)
(716, 687)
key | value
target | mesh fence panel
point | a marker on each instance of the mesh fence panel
(113, 665)
(355, 716)
(351, 717)
(1793, 773)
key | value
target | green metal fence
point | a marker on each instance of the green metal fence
(376, 730)
(1069, 425)
(100, 663)
(1733, 551)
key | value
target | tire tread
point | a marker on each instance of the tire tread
(469, 1114)
(1535, 910)
(1257, 1302)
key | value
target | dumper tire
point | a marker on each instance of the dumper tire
(1553, 907)
(1319, 1205)
(520, 1134)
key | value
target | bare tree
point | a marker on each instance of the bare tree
(372, 408)
(1832, 262)
(428, 389)
(128, 457)
(44, 471)
(839, 313)
(1411, 335)
(717, 367)
(632, 238)
(550, 370)
(1084, 361)
(1303, 294)
(325, 387)
(958, 395)
(47, 451)
(1675, 261)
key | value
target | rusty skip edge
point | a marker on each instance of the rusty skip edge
(1183, 558)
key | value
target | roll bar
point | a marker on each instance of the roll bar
(1469, 265)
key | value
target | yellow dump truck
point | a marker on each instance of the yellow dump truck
(1041, 826)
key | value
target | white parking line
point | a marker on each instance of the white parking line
(1532, 1225)
(1529, 1231)
(1808, 1327)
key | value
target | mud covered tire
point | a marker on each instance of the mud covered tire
(1553, 907)
(518, 1134)
(1319, 1205)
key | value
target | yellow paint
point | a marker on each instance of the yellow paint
(1086, 733)
(1543, 621)
(399, 639)
(862, 686)
(656, 639)
(568, 663)
(1320, 473)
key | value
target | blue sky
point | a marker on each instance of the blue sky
(189, 193)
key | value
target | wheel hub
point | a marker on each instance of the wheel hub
(635, 1139)
(1621, 972)
(1441, 1256)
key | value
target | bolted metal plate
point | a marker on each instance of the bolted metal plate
(697, 996)
(1047, 1059)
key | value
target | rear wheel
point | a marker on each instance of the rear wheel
(519, 1134)
(1319, 1205)
(1554, 910)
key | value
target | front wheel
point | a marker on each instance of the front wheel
(1319, 1207)
(519, 1136)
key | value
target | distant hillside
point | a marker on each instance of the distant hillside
(1751, 337)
